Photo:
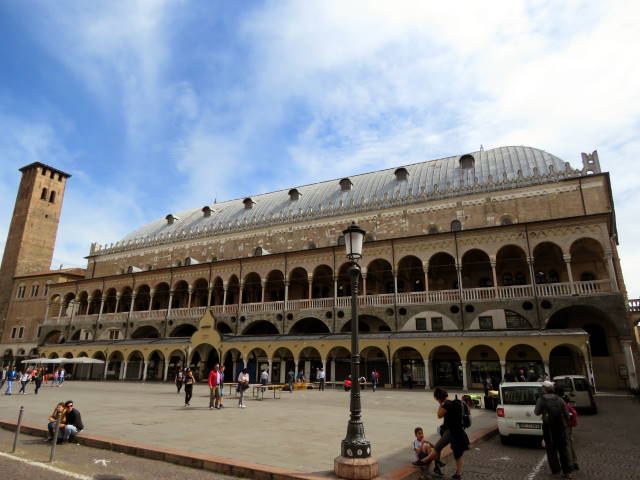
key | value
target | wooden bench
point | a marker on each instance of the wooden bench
(258, 391)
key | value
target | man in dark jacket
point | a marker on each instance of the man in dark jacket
(74, 421)
(554, 420)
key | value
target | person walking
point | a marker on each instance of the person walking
(189, 381)
(554, 421)
(373, 378)
(291, 377)
(24, 381)
(55, 378)
(61, 374)
(37, 379)
(222, 368)
(214, 387)
(11, 376)
(179, 380)
(321, 377)
(264, 377)
(243, 384)
(452, 432)
(571, 423)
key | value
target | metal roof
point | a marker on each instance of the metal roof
(496, 169)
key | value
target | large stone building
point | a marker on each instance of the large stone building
(473, 265)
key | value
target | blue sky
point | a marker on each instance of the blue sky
(160, 106)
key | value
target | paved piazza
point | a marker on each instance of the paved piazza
(302, 431)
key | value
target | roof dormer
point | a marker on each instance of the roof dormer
(294, 194)
(190, 261)
(171, 218)
(401, 174)
(207, 210)
(345, 184)
(248, 203)
(467, 162)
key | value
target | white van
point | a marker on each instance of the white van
(515, 411)
(579, 391)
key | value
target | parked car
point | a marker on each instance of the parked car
(515, 412)
(579, 391)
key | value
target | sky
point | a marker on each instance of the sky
(160, 106)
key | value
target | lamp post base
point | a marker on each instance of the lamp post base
(356, 468)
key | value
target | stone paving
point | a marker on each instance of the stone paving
(301, 431)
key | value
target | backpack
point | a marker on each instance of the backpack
(573, 416)
(465, 412)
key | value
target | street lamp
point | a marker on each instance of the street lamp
(355, 460)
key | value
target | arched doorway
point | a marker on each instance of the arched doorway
(526, 360)
(309, 362)
(567, 360)
(232, 365)
(483, 361)
(339, 364)
(184, 330)
(548, 263)
(442, 272)
(261, 327)
(408, 368)
(114, 365)
(180, 295)
(410, 274)
(476, 269)
(135, 366)
(511, 266)
(146, 331)
(379, 278)
(252, 288)
(373, 358)
(176, 362)
(367, 323)
(203, 359)
(155, 366)
(96, 370)
(274, 287)
(322, 283)
(309, 326)
(298, 284)
(446, 368)
(283, 362)
(200, 293)
(257, 360)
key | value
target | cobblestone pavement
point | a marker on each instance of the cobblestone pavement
(84, 463)
(606, 444)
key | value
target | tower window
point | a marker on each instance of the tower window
(52, 197)
(44, 194)
(44, 171)
(467, 162)
(53, 174)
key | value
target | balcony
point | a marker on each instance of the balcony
(484, 294)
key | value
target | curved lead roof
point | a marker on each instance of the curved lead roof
(495, 169)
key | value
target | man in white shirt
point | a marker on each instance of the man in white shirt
(264, 377)
(321, 375)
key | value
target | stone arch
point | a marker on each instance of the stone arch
(55, 305)
(110, 301)
(53, 355)
(338, 364)
(217, 293)
(566, 359)
(223, 328)
(203, 359)
(309, 360)
(410, 274)
(143, 297)
(309, 326)
(200, 293)
(524, 358)
(83, 303)
(483, 361)
(283, 362)
(261, 327)
(252, 288)
(274, 286)
(176, 362)
(379, 277)
(512, 267)
(155, 365)
(548, 263)
(442, 272)
(67, 304)
(135, 365)
(344, 281)
(374, 358)
(367, 323)
(298, 284)
(160, 296)
(96, 300)
(408, 367)
(256, 361)
(124, 305)
(233, 290)
(114, 365)
(587, 260)
(146, 331)
(184, 330)
(446, 367)
(322, 282)
(233, 363)
(180, 295)
(476, 269)
(55, 336)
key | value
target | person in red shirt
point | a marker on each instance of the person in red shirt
(215, 381)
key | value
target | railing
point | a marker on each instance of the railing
(442, 296)
(85, 318)
(475, 294)
(375, 300)
(187, 312)
(310, 304)
(592, 287)
(554, 289)
(114, 317)
(148, 314)
(634, 305)
(515, 291)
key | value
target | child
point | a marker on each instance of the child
(422, 448)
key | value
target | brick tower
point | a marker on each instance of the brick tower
(33, 229)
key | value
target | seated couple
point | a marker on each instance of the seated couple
(70, 422)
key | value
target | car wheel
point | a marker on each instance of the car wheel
(505, 440)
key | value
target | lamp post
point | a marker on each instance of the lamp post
(355, 460)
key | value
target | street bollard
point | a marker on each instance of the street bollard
(15, 439)
(54, 442)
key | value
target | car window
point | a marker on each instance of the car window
(581, 384)
(565, 383)
(520, 395)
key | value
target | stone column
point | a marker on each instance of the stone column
(395, 285)
(89, 300)
(225, 286)
(46, 312)
(631, 364)
(364, 282)
(190, 296)
(117, 302)
(241, 289)
(547, 371)
(459, 273)
(335, 288)
(495, 277)
(567, 261)
(264, 288)
(310, 284)
(209, 292)
(307, 370)
(286, 293)
(283, 371)
(295, 369)
(106, 367)
(465, 379)
(532, 273)
(123, 372)
(140, 369)
(62, 307)
(503, 369)
(166, 371)
(427, 383)
(425, 269)
(171, 292)
(333, 370)
(612, 271)
(144, 371)
(270, 371)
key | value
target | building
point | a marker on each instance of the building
(473, 264)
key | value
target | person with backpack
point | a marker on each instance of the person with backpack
(11, 376)
(571, 422)
(554, 421)
(457, 418)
